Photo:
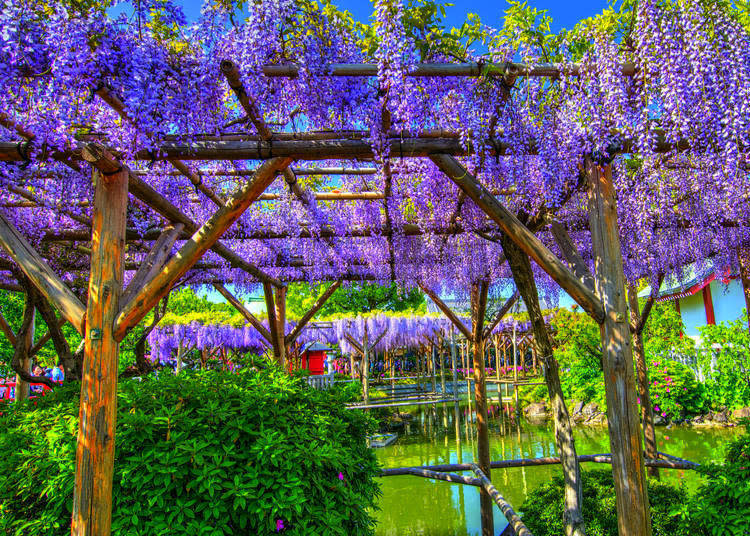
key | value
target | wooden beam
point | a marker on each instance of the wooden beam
(7, 330)
(501, 314)
(521, 235)
(643, 316)
(569, 251)
(505, 69)
(95, 454)
(519, 528)
(743, 258)
(45, 338)
(163, 206)
(198, 244)
(447, 312)
(633, 512)
(237, 304)
(292, 337)
(153, 262)
(478, 309)
(41, 275)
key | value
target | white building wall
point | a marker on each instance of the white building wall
(693, 313)
(729, 300)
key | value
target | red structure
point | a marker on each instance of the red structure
(313, 358)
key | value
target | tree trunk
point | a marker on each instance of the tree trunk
(647, 412)
(625, 436)
(743, 256)
(478, 308)
(520, 266)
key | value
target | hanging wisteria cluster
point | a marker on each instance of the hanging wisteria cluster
(385, 332)
(667, 102)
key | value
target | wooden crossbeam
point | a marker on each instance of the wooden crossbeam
(250, 317)
(518, 232)
(292, 337)
(45, 338)
(357, 346)
(501, 313)
(571, 254)
(153, 262)
(471, 69)
(41, 275)
(447, 312)
(196, 246)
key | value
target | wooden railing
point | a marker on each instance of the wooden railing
(324, 381)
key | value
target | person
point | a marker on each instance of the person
(38, 371)
(58, 373)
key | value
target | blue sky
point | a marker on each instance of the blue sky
(564, 14)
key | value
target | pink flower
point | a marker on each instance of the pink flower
(279, 525)
(341, 476)
(666, 437)
(656, 396)
(656, 408)
(639, 399)
(667, 389)
(663, 414)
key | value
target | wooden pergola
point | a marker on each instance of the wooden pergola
(111, 310)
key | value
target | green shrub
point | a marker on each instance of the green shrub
(725, 360)
(543, 508)
(675, 391)
(204, 453)
(721, 506)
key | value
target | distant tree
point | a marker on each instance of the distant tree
(354, 298)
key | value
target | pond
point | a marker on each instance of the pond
(414, 505)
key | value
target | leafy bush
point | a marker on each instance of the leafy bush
(204, 453)
(722, 504)
(725, 360)
(675, 392)
(543, 508)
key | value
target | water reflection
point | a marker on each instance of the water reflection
(412, 505)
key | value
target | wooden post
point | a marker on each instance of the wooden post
(95, 455)
(22, 387)
(7, 330)
(365, 368)
(523, 276)
(432, 366)
(644, 393)
(281, 324)
(633, 513)
(743, 256)
(456, 408)
(478, 308)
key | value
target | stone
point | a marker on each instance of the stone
(658, 420)
(721, 417)
(698, 419)
(743, 413)
(537, 409)
(590, 409)
(577, 408)
(599, 418)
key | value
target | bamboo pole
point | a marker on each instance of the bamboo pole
(95, 454)
(633, 512)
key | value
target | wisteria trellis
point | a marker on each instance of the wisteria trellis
(665, 102)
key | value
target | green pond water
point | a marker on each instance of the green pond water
(415, 505)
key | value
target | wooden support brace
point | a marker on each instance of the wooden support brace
(198, 244)
(41, 275)
(272, 324)
(520, 235)
(569, 251)
(501, 314)
(153, 262)
(355, 344)
(447, 312)
(95, 454)
(44, 339)
(519, 528)
(280, 304)
(7, 330)
(250, 317)
(292, 337)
